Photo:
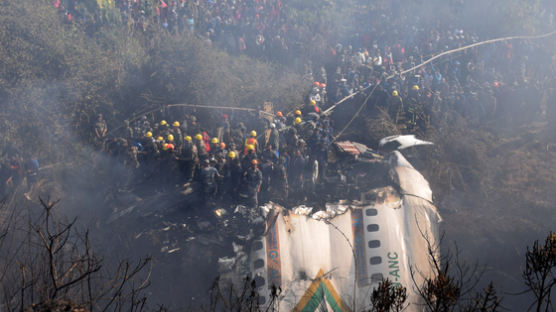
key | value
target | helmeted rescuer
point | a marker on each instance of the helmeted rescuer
(176, 124)
(297, 121)
(163, 123)
(298, 112)
(189, 157)
(395, 93)
(170, 138)
(149, 134)
(251, 185)
(200, 144)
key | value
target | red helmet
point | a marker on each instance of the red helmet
(316, 83)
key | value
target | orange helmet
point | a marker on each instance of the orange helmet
(279, 114)
(254, 162)
(222, 145)
(316, 83)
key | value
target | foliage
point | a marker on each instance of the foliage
(58, 76)
(388, 297)
(540, 272)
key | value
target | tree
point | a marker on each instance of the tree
(388, 297)
(540, 272)
(51, 263)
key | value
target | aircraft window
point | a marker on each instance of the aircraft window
(376, 260)
(371, 212)
(259, 281)
(374, 243)
(258, 245)
(376, 278)
(372, 228)
(259, 263)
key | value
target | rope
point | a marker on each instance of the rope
(476, 45)
(530, 37)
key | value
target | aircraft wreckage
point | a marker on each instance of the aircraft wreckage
(374, 220)
(332, 259)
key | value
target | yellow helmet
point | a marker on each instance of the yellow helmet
(187, 138)
(176, 124)
(149, 134)
(198, 137)
(165, 146)
(395, 93)
(170, 137)
(214, 141)
(297, 121)
(313, 102)
(298, 112)
(232, 154)
(250, 147)
(253, 133)
(160, 139)
(415, 88)
(163, 123)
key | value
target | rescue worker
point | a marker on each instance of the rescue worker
(252, 140)
(251, 185)
(190, 159)
(395, 107)
(208, 176)
(297, 115)
(274, 137)
(279, 186)
(232, 175)
(176, 131)
(295, 173)
(269, 155)
(249, 157)
(201, 147)
(280, 120)
(214, 146)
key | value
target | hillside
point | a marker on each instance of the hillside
(491, 113)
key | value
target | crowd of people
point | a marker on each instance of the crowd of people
(282, 158)
(284, 155)
(256, 27)
(278, 158)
